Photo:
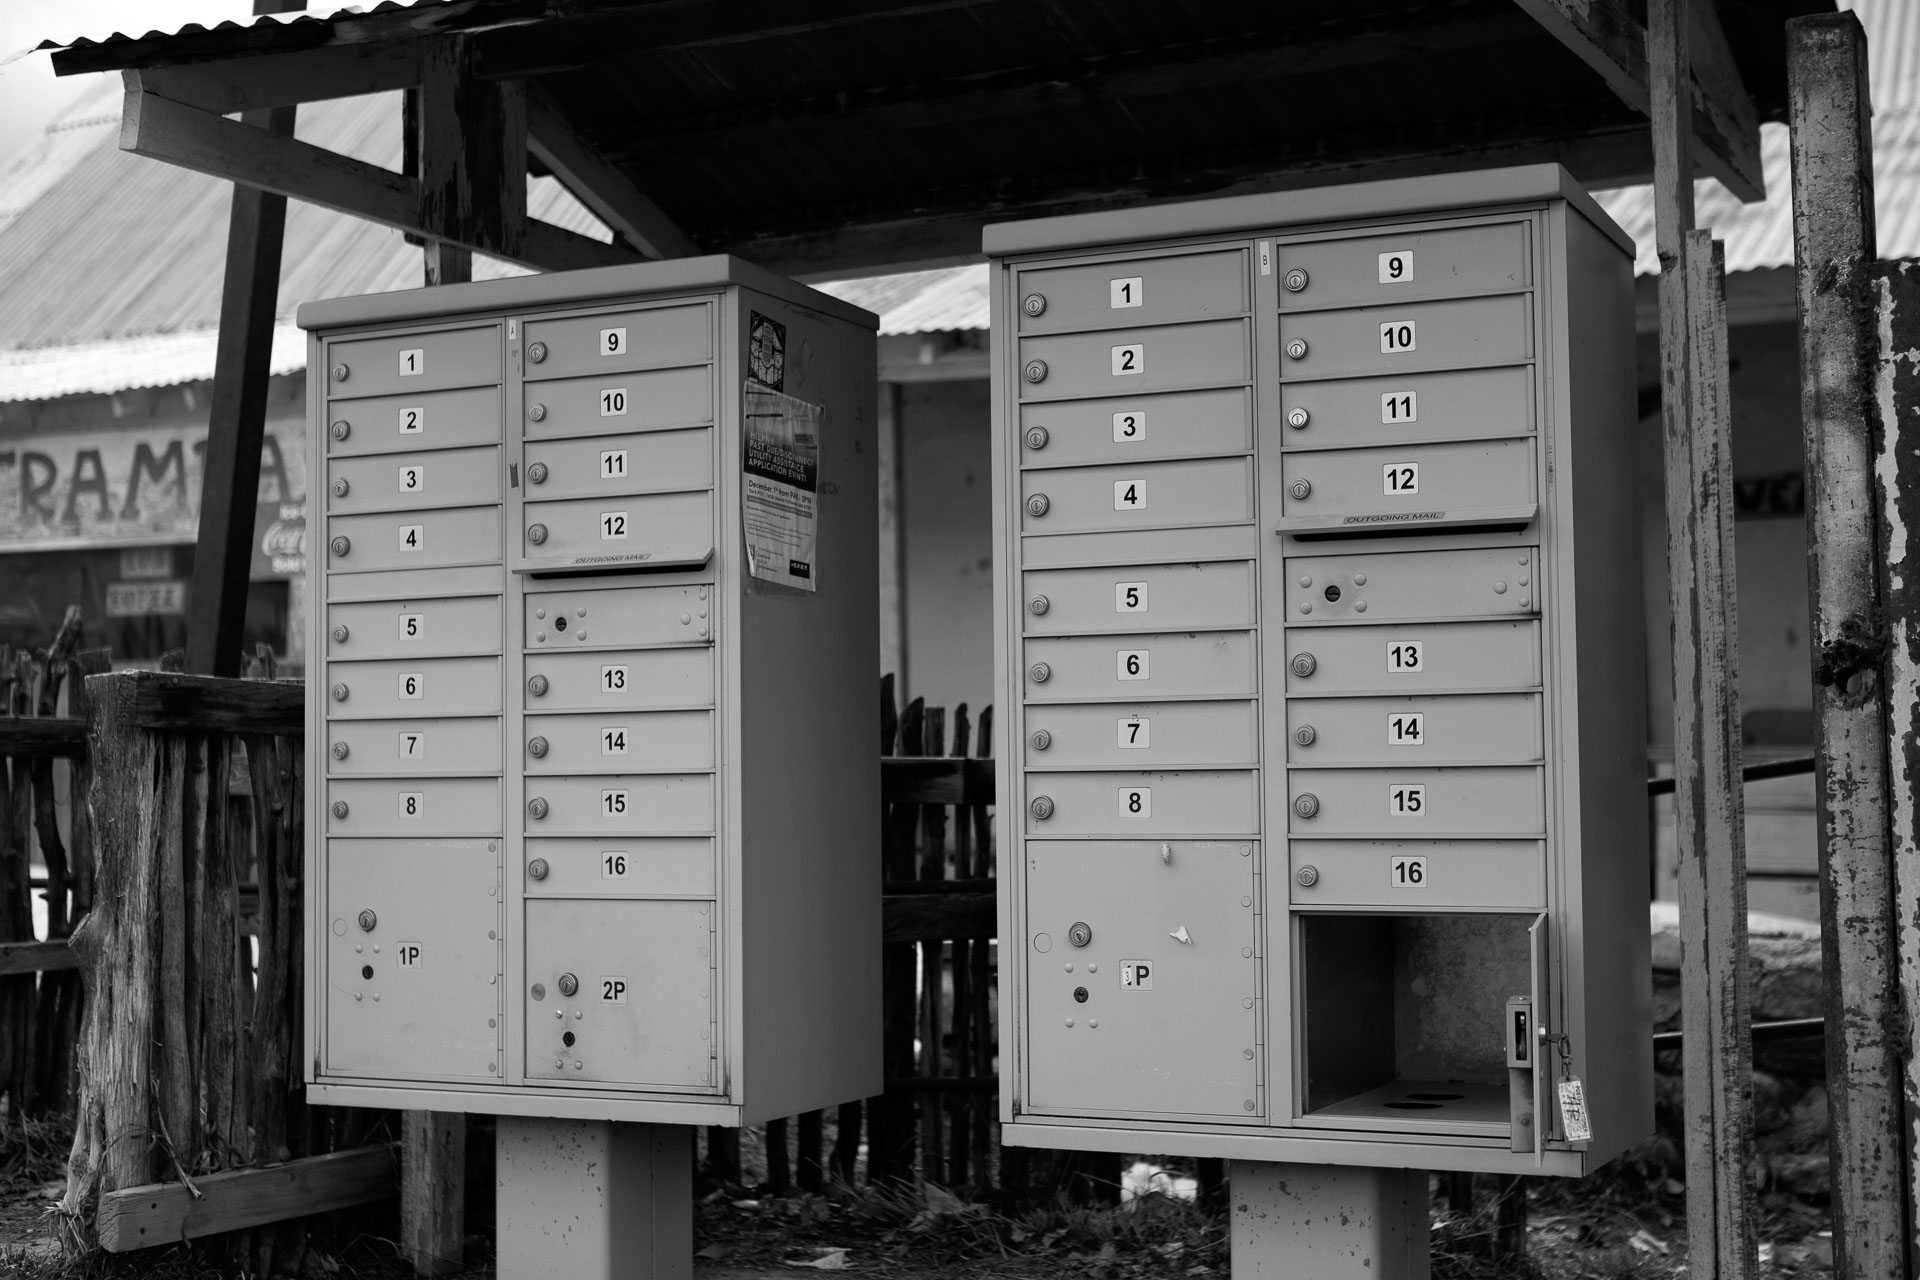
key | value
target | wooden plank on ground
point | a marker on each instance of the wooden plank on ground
(169, 1212)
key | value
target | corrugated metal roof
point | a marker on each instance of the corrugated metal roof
(260, 20)
(121, 364)
(920, 301)
(1760, 236)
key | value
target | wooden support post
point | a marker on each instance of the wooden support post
(1708, 808)
(236, 419)
(1833, 233)
(433, 1158)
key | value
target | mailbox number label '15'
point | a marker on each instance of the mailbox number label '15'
(1407, 799)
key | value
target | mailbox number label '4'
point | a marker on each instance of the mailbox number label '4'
(1129, 495)
(412, 536)
(1407, 799)
(1407, 873)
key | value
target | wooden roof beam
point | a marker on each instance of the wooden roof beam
(161, 128)
(1726, 127)
(287, 79)
(600, 185)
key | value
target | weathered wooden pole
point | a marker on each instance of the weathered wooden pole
(1708, 810)
(1833, 241)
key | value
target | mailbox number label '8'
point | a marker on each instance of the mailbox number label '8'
(1136, 802)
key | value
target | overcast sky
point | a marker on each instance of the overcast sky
(30, 94)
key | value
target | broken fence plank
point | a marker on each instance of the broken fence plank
(36, 957)
(43, 736)
(936, 780)
(169, 1212)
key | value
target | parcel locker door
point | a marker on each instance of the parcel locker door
(413, 959)
(1143, 981)
(621, 992)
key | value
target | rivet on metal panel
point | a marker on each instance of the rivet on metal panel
(1307, 876)
(1042, 807)
(1043, 942)
(1036, 370)
(1248, 1104)
(1037, 437)
(1245, 901)
(1093, 968)
(1298, 417)
(341, 545)
(538, 991)
(1247, 1004)
(536, 351)
(1069, 1021)
(340, 693)
(1093, 1024)
(1037, 505)
(1296, 348)
(1038, 605)
(376, 997)
(582, 634)
(1080, 933)
(1306, 804)
(1359, 606)
(339, 751)
(1306, 606)
(1040, 672)
(492, 936)
(1246, 953)
(537, 473)
(1296, 280)
(580, 612)
(339, 808)
(1069, 966)
(539, 613)
(1041, 739)
(1247, 1054)
(537, 686)
(1034, 304)
(340, 486)
(1246, 850)
(342, 429)
(540, 637)
(1499, 588)
(1359, 579)
(1304, 664)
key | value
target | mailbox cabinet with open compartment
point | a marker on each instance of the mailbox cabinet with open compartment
(1319, 637)
(594, 806)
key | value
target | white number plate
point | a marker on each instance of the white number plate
(613, 464)
(413, 746)
(1397, 267)
(1131, 664)
(1407, 799)
(413, 361)
(412, 626)
(1399, 406)
(1397, 478)
(1406, 655)
(1135, 733)
(1407, 873)
(613, 679)
(413, 805)
(1407, 729)
(613, 525)
(413, 684)
(1396, 336)
(413, 478)
(1136, 802)
(408, 954)
(613, 342)
(1125, 292)
(613, 402)
(413, 421)
(613, 741)
(1129, 360)
(613, 989)
(412, 536)
(613, 865)
(613, 803)
(1129, 495)
(1129, 427)
(1129, 597)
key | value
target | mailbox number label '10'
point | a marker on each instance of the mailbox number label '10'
(1396, 336)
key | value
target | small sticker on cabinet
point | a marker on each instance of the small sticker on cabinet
(1136, 975)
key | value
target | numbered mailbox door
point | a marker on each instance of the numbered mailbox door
(619, 742)
(1142, 734)
(1160, 1011)
(1419, 875)
(413, 964)
(637, 680)
(413, 806)
(1450, 483)
(1410, 338)
(590, 466)
(655, 338)
(1164, 290)
(661, 528)
(1416, 801)
(414, 628)
(1423, 658)
(619, 401)
(1144, 804)
(1218, 664)
(414, 539)
(1146, 496)
(1181, 424)
(1465, 728)
(620, 867)
(422, 746)
(1187, 597)
(1403, 266)
(440, 687)
(621, 804)
(621, 992)
(413, 420)
(427, 361)
(430, 478)
(1119, 362)
(1415, 408)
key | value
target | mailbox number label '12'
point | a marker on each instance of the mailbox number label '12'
(1400, 477)
(613, 525)
(1136, 802)
(1407, 799)
(1407, 873)
(1396, 336)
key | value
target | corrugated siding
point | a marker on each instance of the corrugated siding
(920, 301)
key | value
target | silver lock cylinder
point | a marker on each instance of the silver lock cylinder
(1296, 348)
(536, 351)
(1040, 672)
(1034, 304)
(536, 534)
(537, 686)
(342, 429)
(1298, 417)
(1295, 280)
(536, 473)
(1080, 933)
(1300, 488)
(1306, 804)
(340, 693)
(537, 412)
(537, 807)
(1035, 371)
(340, 372)
(568, 984)
(1037, 437)
(1038, 605)
(537, 869)
(1303, 665)
(1041, 739)
(1041, 807)
(339, 808)
(536, 747)
(1307, 877)
(1038, 504)
(339, 751)
(340, 633)
(1304, 735)
(341, 545)
(368, 919)
(340, 486)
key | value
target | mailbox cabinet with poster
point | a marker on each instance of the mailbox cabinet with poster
(599, 637)
(1375, 739)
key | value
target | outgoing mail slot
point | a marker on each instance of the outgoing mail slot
(620, 867)
(1477, 582)
(592, 465)
(1179, 424)
(413, 806)
(417, 993)
(413, 746)
(1408, 338)
(643, 680)
(1118, 735)
(1137, 496)
(413, 420)
(619, 400)
(1462, 728)
(413, 539)
(413, 362)
(1142, 804)
(1409, 265)
(654, 338)
(1435, 658)
(621, 804)
(658, 529)
(410, 687)
(627, 617)
(1120, 362)
(1186, 597)
(642, 1008)
(641, 742)
(1408, 485)
(414, 628)
(1207, 664)
(1415, 802)
(1476, 404)
(1187, 286)
(402, 481)
(1420, 874)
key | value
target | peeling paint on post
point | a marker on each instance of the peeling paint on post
(1833, 235)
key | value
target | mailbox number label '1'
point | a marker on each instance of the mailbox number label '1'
(1407, 799)
(1407, 873)
(413, 361)
(1136, 802)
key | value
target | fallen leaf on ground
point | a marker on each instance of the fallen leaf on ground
(829, 1260)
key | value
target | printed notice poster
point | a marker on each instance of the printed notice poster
(781, 471)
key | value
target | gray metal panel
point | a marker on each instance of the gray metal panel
(1392, 198)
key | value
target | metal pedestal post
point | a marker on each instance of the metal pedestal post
(1294, 1220)
(594, 1200)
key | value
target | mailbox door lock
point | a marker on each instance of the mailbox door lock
(1080, 933)
(537, 869)
(537, 807)
(536, 534)
(340, 633)
(339, 751)
(340, 486)
(537, 686)
(1038, 504)
(1036, 371)
(1037, 437)
(1295, 280)
(1298, 417)
(1296, 348)
(568, 984)
(339, 808)
(1300, 488)
(368, 920)
(342, 429)
(1042, 807)
(536, 747)
(1307, 876)
(341, 545)
(537, 412)
(1034, 304)
(536, 473)
(1304, 665)
(1306, 804)
(1304, 735)
(339, 693)
(536, 351)
(1038, 605)
(1040, 672)
(1041, 739)
(340, 372)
